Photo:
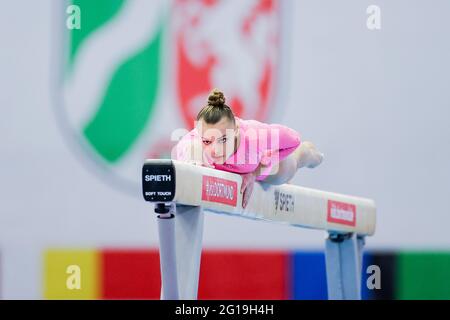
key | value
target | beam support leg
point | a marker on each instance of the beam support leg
(343, 264)
(180, 240)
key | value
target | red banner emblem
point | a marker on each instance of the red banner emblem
(341, 213)
(229, 44)
(219, 190)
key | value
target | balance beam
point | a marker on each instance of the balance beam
(181, 192)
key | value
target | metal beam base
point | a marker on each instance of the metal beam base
(343, 264)
(180, 245)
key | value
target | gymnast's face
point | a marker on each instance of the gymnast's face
(218, 140)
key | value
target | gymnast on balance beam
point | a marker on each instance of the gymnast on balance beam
(269, 153)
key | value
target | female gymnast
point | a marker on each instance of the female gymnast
(268, 153)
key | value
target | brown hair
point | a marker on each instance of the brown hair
(215, 109)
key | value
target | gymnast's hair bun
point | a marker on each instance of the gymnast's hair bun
(216, 109)
(216, 98)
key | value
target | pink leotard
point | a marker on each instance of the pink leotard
(262, 143)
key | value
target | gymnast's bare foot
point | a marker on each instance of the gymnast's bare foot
(309, 156)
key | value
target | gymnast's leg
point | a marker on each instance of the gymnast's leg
(306, 155)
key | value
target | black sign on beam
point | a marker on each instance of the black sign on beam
(158, 180)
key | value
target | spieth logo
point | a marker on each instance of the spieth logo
(341, 213)
(284, 202)
(158, 177)
(219, 190)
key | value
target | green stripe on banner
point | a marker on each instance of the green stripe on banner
(127, 104)
(93, 15)
(423, 275)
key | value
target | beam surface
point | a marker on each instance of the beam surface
(219, 192)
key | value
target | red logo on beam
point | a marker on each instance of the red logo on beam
(341, 213)
(219, 190)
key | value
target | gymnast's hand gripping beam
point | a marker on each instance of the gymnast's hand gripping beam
(181, 192)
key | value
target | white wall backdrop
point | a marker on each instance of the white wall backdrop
(377, 103)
